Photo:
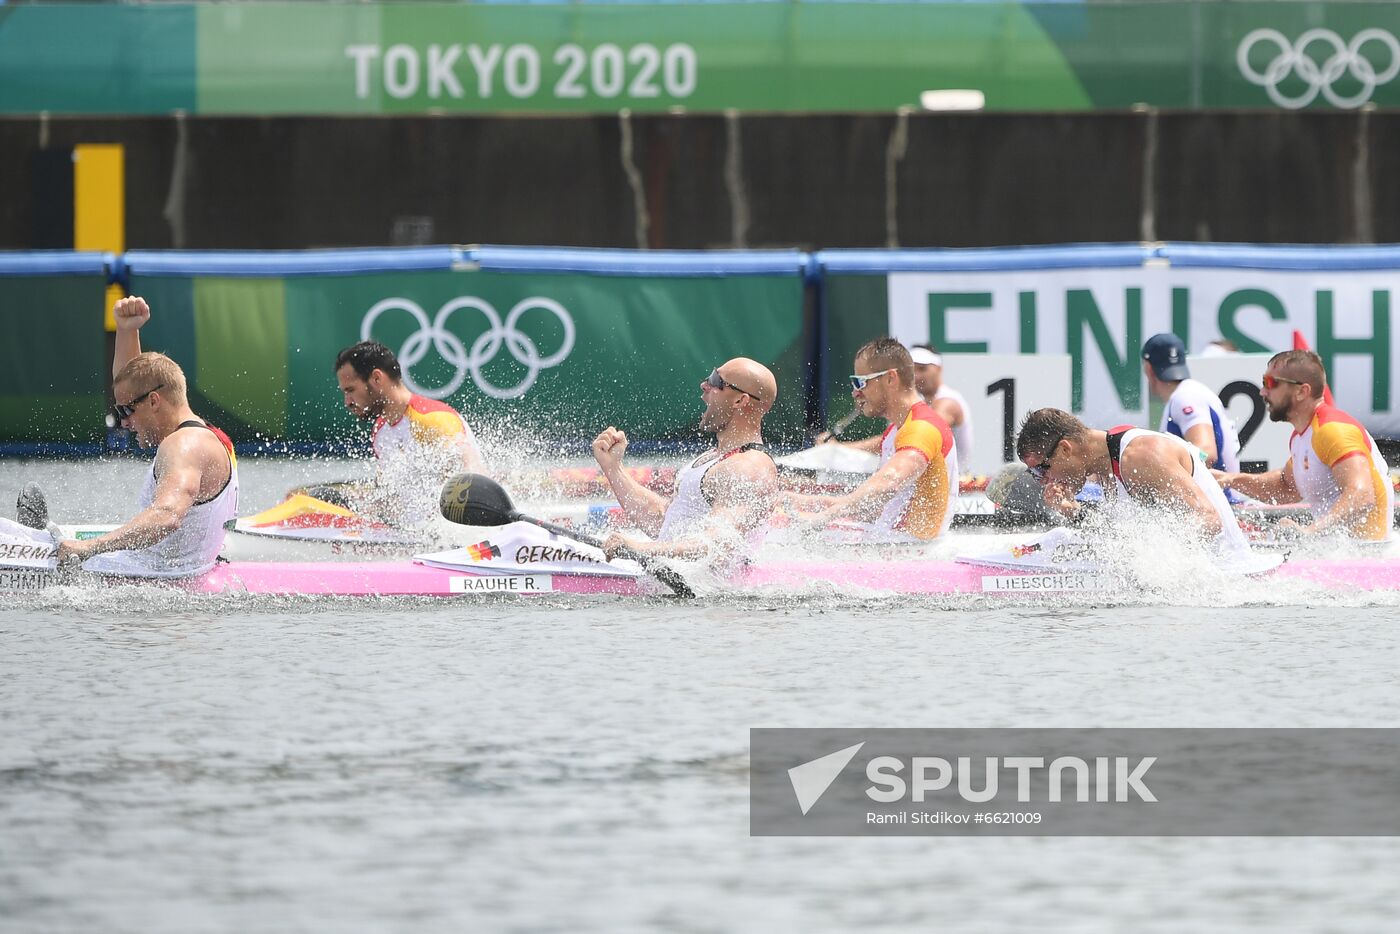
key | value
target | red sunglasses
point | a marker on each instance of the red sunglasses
(1271, 382)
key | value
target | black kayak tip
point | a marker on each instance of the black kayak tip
(32, 509)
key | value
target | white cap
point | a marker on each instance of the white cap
(925, 357)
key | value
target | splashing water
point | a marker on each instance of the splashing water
(1154, 553)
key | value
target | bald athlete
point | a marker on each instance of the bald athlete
(726, 495)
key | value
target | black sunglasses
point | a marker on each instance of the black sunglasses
(1041, 471)
(125, 411)
(715, 381)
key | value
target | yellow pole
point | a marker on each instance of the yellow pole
(99, 206)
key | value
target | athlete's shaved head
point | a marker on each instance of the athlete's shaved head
(1303, 366)
(751, 377)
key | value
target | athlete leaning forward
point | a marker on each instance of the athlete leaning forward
(417, 443)
(1153, 469)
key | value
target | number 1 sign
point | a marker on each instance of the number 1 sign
(1000, 390)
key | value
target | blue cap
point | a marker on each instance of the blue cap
(1167, 354)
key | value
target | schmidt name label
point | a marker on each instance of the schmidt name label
(503, 583)
(26, 580)
(1045, 583)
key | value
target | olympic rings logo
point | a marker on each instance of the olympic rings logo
(1344, 58)
(484, 349)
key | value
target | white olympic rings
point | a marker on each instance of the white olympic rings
(1293, 59)
(483, 349)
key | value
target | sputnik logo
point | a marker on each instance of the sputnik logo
(810, 780)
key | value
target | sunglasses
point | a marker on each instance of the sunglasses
(1271, 382)
(858, 382)
(715, 381)
(125, 411)
(1041, 471)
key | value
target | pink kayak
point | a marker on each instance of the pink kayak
(401, 578)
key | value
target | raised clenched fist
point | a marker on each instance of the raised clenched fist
(131, 312)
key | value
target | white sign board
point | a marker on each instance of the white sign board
(1102, 316)
(1001, 389)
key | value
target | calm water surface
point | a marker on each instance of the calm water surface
(170, 763)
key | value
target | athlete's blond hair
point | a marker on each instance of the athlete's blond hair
(147, 371)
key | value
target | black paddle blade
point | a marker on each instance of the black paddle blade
(474, 499)
(31, 509)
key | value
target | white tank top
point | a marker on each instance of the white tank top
(1231, 538)
(962, 433)
(689, 509)
(191, 549)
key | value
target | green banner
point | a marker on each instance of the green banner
(86, 59)
(537, 356)
(53, 362)
(584, 58)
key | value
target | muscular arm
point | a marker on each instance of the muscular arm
(644, 508)
(1159, 472)
(1357, 499)
(1273, 486)
(470, 455)
(180, 467)
(1203, 437)
(130, 313)
(866, 500)
(870, 445)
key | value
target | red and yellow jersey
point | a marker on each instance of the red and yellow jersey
(1331, 437)
(425, 421)
(922, 508)
(415, 454)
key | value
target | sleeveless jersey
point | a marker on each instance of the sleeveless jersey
(1332, 437)
(1231, 538)
(689, 509)
(923, 507)
(191, 549)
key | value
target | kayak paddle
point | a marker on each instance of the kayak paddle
(474, 499)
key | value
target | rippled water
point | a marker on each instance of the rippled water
(171, 763)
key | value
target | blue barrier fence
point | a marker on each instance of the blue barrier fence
(117, 267)
(658, 304)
